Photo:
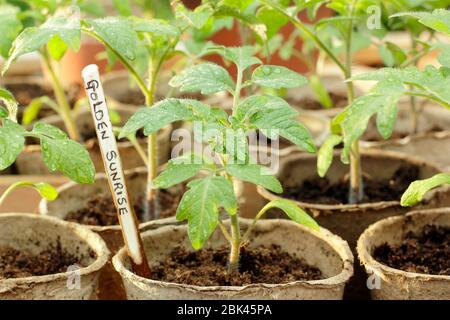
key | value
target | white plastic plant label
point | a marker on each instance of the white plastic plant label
(112, 163)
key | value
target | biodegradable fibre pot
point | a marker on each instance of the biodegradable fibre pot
(395, 284)
(30, 160)
(321, 249)
(73, 197)
(34, 233)
(349, 221)
(431, 142)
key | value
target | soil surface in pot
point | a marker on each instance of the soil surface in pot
(19, 264)
(100, 210)
(339, 101)
(208, 267)
(320, 190)
(428, 252)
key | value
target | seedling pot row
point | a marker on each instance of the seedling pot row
(346, 220)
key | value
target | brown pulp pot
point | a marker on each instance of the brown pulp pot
(33, 233)
(428, 144)
(349, 221)
(396, 284)
(321, 248)
(73, 196)
(30, 160)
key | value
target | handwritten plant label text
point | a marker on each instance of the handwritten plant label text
(112, 162)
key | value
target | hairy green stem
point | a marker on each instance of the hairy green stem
(61, 99)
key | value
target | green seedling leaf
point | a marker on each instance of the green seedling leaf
(325, 156)
(159, 115)
(277, 77)
(67, 28)
(383, 99)
(238, 4)
(64, 155)
(197, 17)
(10, 27)
(293, 211)
(9, 101)
(3, 112)
(242, 57)
(418, 189)
(123, 7)
(32, 110)
(47, 191)
(12, 142)
(57, 47)
(255, 174)
(181, 169)
(116, 32)
(272, 19)
(156, 27)
(200, 206)
(438, 20)
(206, 78)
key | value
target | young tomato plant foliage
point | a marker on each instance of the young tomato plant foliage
(58, 151)
(201, 204)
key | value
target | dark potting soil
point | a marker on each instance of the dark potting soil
(208, 267)
(339, 101)
(428, 252)
(322, 191)
(18, 264)
(100, 210)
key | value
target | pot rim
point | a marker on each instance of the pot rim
(369, 261)
(337, 244)
(102, 251)
(356, 208)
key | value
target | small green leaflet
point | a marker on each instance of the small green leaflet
(418, 189)
(9, 101)
(273, 114)
(155, 27)
(277, 77)
(381, 100)
(64, 155)
(438, 20)
(325, 155)
(200, 206)
(206, 78)
(47, 191)
(67, 28)
(116, 32)
(293, 211)
(10, 27)
(181, 169)
(255, 174)
(12, 142)
(32, 110)
(197, 17)
(242, 57)
(272, 19)
(161, 114)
